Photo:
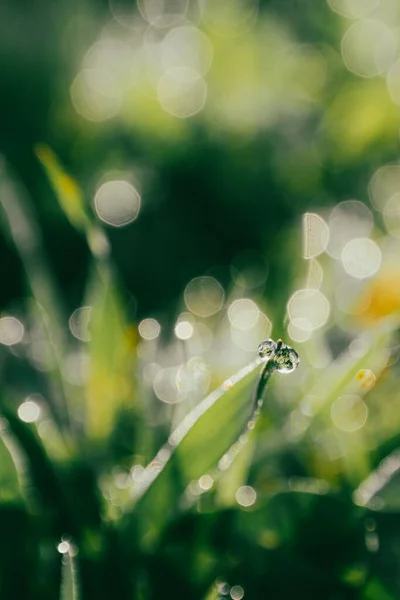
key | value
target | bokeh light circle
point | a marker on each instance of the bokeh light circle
(308, 309)
(117, 203)
(11, 331)
(369, 48)
(361, 258)
(182, 92)
(349, 413)
(204, 296)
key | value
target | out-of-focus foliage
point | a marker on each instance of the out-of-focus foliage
(179, 180)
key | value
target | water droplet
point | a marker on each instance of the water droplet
(286, 359)
(266, 348)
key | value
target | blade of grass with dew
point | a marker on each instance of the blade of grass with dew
(196, 446)
(69, 584)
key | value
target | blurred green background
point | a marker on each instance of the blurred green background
(179, 180)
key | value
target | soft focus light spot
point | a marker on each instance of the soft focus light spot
(315, 275)
(117, 203)
(349, 413)
(182, 92)
(391, 215)
(384, 184)
(249, 269)
(29, 411)
(308, 309)
(229, 18)
(154, 11)
(366, 378)
(348, 220)
(237, 592)
(137, 473)
(184, 330)
(243, 313)
(206, 482)
(352, 297)
(11, 331)
(353, 9)
(315, 235)
(93, 101)
(368, 48)
(204, 296)
(166, 388)
(79, 323)
(187, 47)
(393, 82)
(249, 339)
(246, 496)
(63, 547)
(361, 258)
(149, 329)
(298, 333)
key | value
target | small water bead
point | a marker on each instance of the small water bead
(286, 359)
(266, 348)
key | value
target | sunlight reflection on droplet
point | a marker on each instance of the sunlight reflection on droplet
(149, 329)
(29, 411)
(361, 258)
(315, 235)
(308, 309)
(246, 496)
(184, 330)
(368, 48)
(353, 9)
(165, 386)
(206, 482)
(348, 220)
(384, 184)
(243, 313)
(204, 296)
(79, 323)
(117, 203)
(349, 413)
(182, 92)
(63, 547)
(11, 331)
(237, 592)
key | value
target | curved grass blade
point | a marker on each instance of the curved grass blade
(381, 489)
(195, 447)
